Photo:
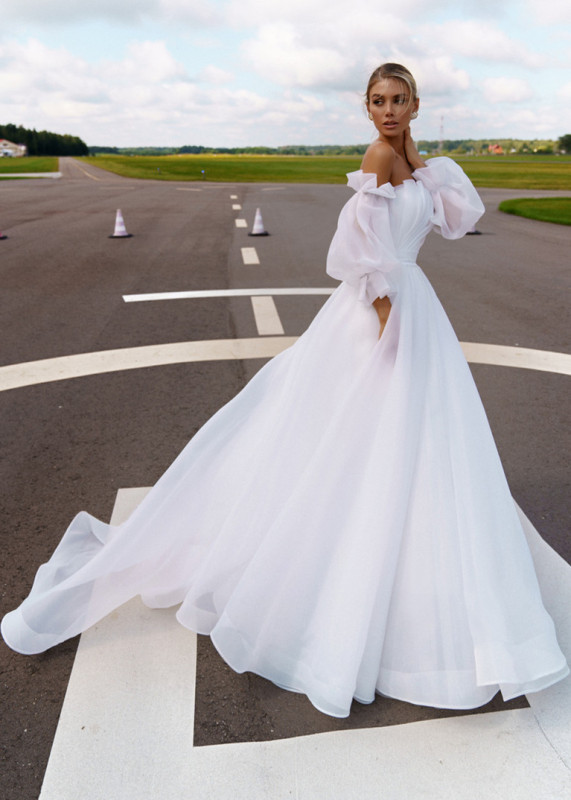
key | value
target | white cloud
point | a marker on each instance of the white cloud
(279, 53)
(505, 90)
(480, 40)
(213, 74)
(554, 12)
(201, 12)
(226, 72)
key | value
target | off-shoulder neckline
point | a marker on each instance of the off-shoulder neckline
(388, 183)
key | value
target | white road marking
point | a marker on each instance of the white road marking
(30, 373)
(241, 223)
(249, 255)
(266, 316)
(77, 366)
(126, 725)
(143, 298)
(8, 175)
(184, 189)
(236, 207)
(504, 356)
(233, 197)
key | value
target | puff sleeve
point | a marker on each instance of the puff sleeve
(457, 205)
(363, 256)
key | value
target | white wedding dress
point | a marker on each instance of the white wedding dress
(343, 526)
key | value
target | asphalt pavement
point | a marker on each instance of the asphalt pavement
(74, 444)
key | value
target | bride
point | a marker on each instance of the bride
(343, 526)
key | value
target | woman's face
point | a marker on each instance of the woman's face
(390, 106)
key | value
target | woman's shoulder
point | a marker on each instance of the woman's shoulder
(379, 159)
(378, 153)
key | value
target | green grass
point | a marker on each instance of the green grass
(232, 169)
(517, 172)
(547, 209)
(12, 166)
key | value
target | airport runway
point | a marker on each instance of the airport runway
(72, 443)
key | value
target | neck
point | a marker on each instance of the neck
(396, 142)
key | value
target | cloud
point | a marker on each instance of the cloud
(144, 97)
(556, 12)
(279, 53)
(213, 74)
(479, 40)
(56, 12)
(506, 90)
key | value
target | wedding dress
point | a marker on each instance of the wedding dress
(343, 526)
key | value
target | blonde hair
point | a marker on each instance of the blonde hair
(396, 71)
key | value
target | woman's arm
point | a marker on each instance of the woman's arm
(379, 159)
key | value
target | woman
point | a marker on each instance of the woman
(343, 526)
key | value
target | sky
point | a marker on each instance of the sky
(229, 73)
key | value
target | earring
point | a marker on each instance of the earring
(370, 116)
(414, 115)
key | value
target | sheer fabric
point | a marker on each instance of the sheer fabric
(343, 526)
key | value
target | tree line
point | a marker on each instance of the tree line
(44, 143)
(431, 147)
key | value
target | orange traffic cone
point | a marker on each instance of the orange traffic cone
(120, 230)
(258, 229)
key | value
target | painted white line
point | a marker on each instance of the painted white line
(143, 298)
(236, 207)
(233, 197)
(184, 189)
(77, 366)
(241, 223)
(266, 316)
(30, 373)
(249, 255)
(144, 697)
(31, 175)
(524, 357)
(125, 730)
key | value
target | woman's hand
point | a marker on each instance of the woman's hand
(412, 154)
(382, 306)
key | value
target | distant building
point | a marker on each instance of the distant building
(496, 149)
(10, 149)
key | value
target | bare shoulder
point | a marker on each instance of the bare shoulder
(379, 159)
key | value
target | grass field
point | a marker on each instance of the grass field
(517, 172)
(547, 209)
(241, 168)
(12, 166)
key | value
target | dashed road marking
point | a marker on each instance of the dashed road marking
(236, 207)
(240, 223)
(266, 315)
(233, 197)
(144, 298)
(249, 255)
(184, 189)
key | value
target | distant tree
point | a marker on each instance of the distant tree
(44, 143)
(564, 143)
